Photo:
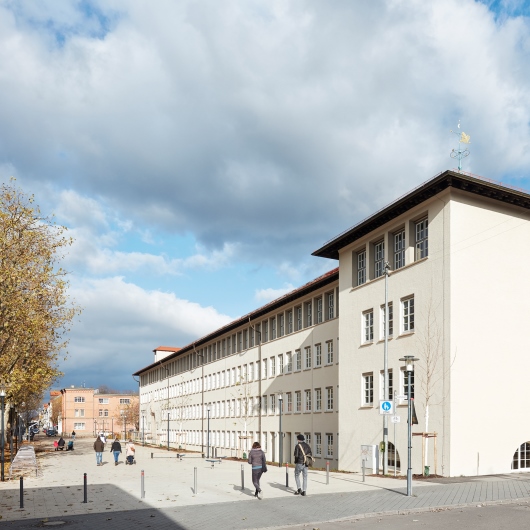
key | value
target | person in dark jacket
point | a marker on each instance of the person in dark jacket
(61, 443)
(256, 458)
(300, 452)
(99, 447)
(115, 448)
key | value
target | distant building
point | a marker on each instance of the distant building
(86, 411)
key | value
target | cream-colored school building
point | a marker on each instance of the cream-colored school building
(459, 300)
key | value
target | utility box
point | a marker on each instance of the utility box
(370, 457)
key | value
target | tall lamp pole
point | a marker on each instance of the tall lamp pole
(409, 370)
(167, 374)
(2, 404)
(208, 435)
(143, 428)
(280, 442)
(385, 376)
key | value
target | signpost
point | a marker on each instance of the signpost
(386, 408)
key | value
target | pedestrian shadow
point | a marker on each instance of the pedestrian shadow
(400, 491)
(246, 491)
(279, 486)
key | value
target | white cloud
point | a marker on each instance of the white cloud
(267, 295)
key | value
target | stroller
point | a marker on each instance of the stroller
(129, 459)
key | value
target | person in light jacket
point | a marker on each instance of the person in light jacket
(256, 458)
(129, 452)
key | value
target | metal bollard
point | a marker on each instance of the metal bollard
(286, 475)
(142, 489)
(151, 455)
(195, 480)
(21, 493)
(364, 469)
(242, 478)
(327, 473)
(85, 493)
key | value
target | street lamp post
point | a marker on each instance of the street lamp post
(385, 376)
(167, 375)
(409, 370)
(2, 404)
(280, 442)
(143, 428)
(208, 435)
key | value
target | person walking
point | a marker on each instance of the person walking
(129, 452)
(301, 451)
(115, 448)
(73, 435)
(257, 459)
(99, 447)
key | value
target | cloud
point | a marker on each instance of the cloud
(267, 295)
(122, 323)
(261, 124)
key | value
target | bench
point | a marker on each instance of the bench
(214, 461)
(25, 459)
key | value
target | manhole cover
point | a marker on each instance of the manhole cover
(53, 523)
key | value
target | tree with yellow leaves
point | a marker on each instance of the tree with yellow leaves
(35, 313)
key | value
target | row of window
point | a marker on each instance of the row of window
(314, 311)
(367, 386)
(322, 444)
(310, 357)
(406, 320)
(398, 240)
(102, 401)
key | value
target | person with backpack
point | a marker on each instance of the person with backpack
(256, 457)
(303, 459)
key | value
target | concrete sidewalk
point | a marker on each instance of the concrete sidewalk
(114, 493)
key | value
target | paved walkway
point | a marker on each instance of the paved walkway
(114, 494)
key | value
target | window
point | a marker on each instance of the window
(390, 393)
(329, 446)
(289, 402)
(79, 426)
(265, 331)
(307, 401)
(422, 239)
(329, 398)
(245, 339)
(407, 307)
(79, 399)
(309, 314)
(318, 444)
(101, 412)
(298, 402)
(331, 305)
(308, 438)
(106, 412)
(251, 337)
(318, 354)
(264, 404)
(361, 267)
(273, 366)
(406, 377)
(308, 357)
(289, 361)
(104, 401)
(319, 310)
(125, 401)
(368, 326)
(390, 320)
(250, 371)
(521, 457)
(290, 321)
(298, 359)
(282, 325)
(79, 413)
(368, 389)
(318, 399)
(399, 249)
(298, 318)
(379, 259)
(273, 328)
(329, 358)
(273, 404)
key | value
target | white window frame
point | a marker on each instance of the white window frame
(390, 322)
(298, 401)
(308, 357)
(318, 444)
(368, 326)
(368, 389)
(407, 315)
(329, 398)
(390, 393)
(308, 401)
(421, 232)
(329, 353)
(298, 360)
(399, 249)
(320, 311)
(318, 400)
(318, 355)
(379, 258)
(361, 267)
(329, 445)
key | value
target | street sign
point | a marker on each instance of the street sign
(395, 419)
(386, 407)
(401, 397)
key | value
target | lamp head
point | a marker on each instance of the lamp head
(2, 387)
(409, 362)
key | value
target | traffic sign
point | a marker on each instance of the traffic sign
(401, 397)
(395, 419)
(386, 407)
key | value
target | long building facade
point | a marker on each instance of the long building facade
(457, 293)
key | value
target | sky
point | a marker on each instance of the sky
(199, 151)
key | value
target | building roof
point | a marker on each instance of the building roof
(313, 285)
(166, 348)
(458, 180)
